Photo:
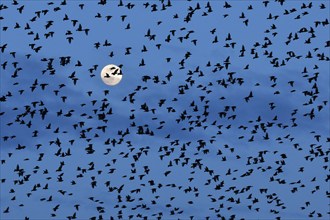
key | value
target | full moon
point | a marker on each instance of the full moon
(111, 75)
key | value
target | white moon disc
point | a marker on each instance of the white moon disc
(111, 75)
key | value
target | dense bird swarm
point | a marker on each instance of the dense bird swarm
(222, 111)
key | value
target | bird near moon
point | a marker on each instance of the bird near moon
(111, 75)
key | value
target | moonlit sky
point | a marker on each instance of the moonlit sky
(288, 148)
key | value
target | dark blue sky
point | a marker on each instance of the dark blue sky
(208, 152)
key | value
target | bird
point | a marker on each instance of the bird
(219, 107)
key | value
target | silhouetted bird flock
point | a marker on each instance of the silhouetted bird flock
(222, 112)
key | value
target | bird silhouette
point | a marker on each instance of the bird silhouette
(222, 112)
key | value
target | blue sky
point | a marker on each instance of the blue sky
(183, 127)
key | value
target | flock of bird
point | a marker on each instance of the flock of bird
(222, 112)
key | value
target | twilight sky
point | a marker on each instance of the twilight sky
(228, 118)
